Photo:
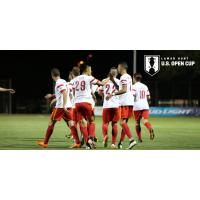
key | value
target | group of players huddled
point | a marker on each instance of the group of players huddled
(75, 102)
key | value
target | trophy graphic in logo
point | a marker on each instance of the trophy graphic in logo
(152, 64)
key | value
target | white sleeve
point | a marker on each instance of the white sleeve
(148, 93)
(134, 90)
(123, 80)
(93, 80)
(61, 87)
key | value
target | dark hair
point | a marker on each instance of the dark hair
(124, 64)
(76, 71)
(55, 72)
(137, 76)
(83, 67)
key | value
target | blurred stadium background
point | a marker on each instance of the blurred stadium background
(29, 73)
(174, 93)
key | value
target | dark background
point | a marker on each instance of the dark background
(29, 72)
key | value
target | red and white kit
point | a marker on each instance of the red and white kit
(58, 112)
(83, 97)
(126, 100)
(141, 106)
(111, 111)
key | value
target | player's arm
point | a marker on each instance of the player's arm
(94, 97)
(148, 95)
(52, 102)
(114, 82)
(122, 91)
(7, 90)
(98, 82)
(64, 92)
(49, 96)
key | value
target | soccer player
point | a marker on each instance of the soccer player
(126, 104)
(141, 106)
(83, 102)
(62, 110)
(11, 91)
(111, 111)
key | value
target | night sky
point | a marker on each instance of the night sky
(30, 70)
(30, 74)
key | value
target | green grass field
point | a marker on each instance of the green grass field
(22, 131)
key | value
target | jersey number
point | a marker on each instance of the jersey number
(108, 88)
(82, 85)
(142, 94)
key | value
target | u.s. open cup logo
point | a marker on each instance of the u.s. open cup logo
(152, 64)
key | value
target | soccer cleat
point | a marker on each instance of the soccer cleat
(113, 146)
(74, 146)
(91, 144)
(105, 141)
(140, 141)
(87, 147)
(120, 145)
(152, 135)
(132, 144)
(41, 143)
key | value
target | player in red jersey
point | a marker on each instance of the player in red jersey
(141, 106)
(62, 110)
(83, 102)
(111, 110)
(126, 103)
(7, 90)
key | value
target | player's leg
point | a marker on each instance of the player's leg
(105, 120)
(114, 134)
(49, 131)
(81, 121)
(55, 116)
(89, 116)
(74, 133)
(145, 116)
(137, 115)
(115, 118)
(127, 113)
(68, 117)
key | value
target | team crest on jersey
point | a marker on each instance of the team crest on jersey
(152, 64)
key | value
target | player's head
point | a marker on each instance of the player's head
(113, 71)
(70, 76)
(76, 71)
(137, 77)
(86, 69)
(122, 67)
(55, 73)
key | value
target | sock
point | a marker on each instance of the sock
(74, 133)
(126, 130)
(148, 125)
(138, 131)
(48, 133)
(91, 129)
(105, 129)
(114, 133)
(123, 134)
(84, 132)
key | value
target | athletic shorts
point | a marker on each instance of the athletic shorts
(59, 113)
(126, 112)
(84, 110)
(111, 115)
(139, 114)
